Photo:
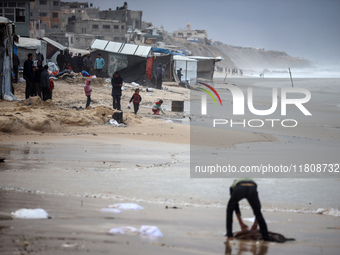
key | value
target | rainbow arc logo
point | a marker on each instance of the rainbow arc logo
(204, 98)
(209, 93)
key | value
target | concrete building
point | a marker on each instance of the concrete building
(112, 30)
(19, 13)
(132, 19)
(47, 12)
(192, 35)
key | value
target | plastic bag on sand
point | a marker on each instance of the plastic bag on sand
(111, 210)
(114, 123)
(150, 231)
(126, 206)
(144, 231)
(30, 214)
(123, 230)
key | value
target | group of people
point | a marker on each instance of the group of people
(117, 84)
(37, 79)
(80, 63)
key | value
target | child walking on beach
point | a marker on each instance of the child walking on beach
(88, 91)
(157, 107)
(136, 99)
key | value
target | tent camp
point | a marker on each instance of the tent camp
(206, 66)
(131, 60)
(6, 50)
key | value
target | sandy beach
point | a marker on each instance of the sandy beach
(71, 162)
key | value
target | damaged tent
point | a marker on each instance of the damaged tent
(189, 69)
(53, 49)
(134, 62)
(206, 66)
(6, 57)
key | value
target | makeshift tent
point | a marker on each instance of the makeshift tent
(129, 59)
(166, 62)
(53, 49)
(206, 66)
(189, 69)
(30, 45)
(6, 55)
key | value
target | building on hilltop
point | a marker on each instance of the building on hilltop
(197, 36)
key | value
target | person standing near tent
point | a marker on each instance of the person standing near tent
(88, 63)
(179, 74)
(37, 73)
(117, 83)
(29, 75)
(98, 65)
(159, 76)
(45, 83)
(61, 60)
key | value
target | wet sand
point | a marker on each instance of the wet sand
(77, 226)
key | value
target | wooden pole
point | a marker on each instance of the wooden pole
(291, 79)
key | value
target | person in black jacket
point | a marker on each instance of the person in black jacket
(29, 75)
(117, 83)
(45, 83)
(37, 73)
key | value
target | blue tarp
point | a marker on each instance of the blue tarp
(160, 50)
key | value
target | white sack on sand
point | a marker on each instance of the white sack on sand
(123, 230)
(144, 231)
(150, 231)
(111, 210)
(37, 213)
(126, 206)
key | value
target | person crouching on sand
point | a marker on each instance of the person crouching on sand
(157, 107)
(88, 91)
(136, 99)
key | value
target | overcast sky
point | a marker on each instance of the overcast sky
(303, 28)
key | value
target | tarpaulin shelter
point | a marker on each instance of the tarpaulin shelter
(189, 69)
(206, 66)
(53, 49)
(131, 60)
(30, 45)
(6, 56)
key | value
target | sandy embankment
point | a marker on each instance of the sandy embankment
(65, 114)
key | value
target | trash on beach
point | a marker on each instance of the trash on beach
(111, 210)
(123, 230)
(126, 206)
(114, 123)
(144, 231)
(135, 84)
(169, 121)
(37, 213)
(149, 89)
(150, 231)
